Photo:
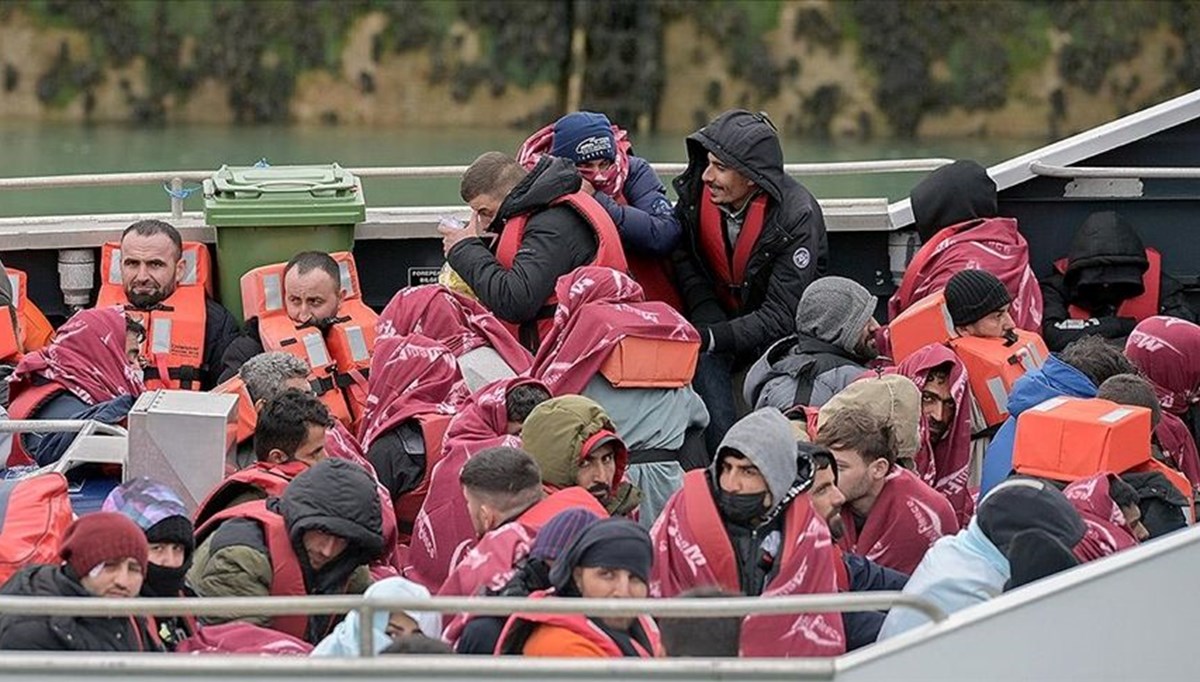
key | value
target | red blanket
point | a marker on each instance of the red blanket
(1179, 447)
(944, 466)
(1107, 532)
(1167, 351)
(991, 244)
(489, 564)
(908, 517)
(87, 357)
(597, 307)
(410, 376)
(691, 549)
(611, 182)
(458, 322)
(480, 424)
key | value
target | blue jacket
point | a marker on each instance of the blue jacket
(647, 222)
(958, 571)
(48, 448)
(862, 627)
(1055, 378)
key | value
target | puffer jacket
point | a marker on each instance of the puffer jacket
(65, 633)
(791, 252)
(800, 370)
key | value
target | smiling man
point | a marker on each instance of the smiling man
(104, 555)
(544, 225)
(754, 239)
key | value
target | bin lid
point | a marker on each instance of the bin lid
(248, 196)
(252, 181)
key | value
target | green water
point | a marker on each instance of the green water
(28, 149)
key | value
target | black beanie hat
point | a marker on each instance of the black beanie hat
(973, 294)
(609, 543)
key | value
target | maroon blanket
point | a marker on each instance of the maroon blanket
(458, 322)
(87, 357)
(691, 549)
(410, 376)
(480, 424)
(1167, 351)
(991, 244)
(1107, 532)
(597, 307)
(944, 466)
(908, 517)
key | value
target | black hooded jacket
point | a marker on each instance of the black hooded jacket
(951, 195)
(65, 633)
(1104, 267)
(791, 252)
(557, 240)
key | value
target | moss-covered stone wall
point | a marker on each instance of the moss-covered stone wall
(851, 67)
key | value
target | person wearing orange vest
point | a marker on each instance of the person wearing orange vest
(545, 226)
(289, 438)
(1108, 282)
(316, 538)
(152, 266)
(754, 239)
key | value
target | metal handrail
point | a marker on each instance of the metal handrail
(58, 426)
(157, 177)
(1112, 172)
(485, 606)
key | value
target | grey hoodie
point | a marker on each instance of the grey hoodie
(764, 437)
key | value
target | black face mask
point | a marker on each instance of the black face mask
(742, 510)
(164, 582)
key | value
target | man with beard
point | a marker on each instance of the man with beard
(159, 290)
(860, 573)
(161, 515)
(834, 339)
(316, 538)
(891, 515)
(575, 444)
(312, 293)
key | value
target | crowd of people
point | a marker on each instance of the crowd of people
(612, 396)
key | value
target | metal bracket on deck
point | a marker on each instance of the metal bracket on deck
(1103, 188)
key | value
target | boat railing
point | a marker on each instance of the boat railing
(1114, 173)
(366, 607)
(60, 426)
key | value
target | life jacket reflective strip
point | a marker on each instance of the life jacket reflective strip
(270, 479)
(287, 580)
(338, 360)
(1066, 439)
(33, 330)
(247, 416)
(994, 364)
(408, 505)
(729, 269)
(1138, 307)
(24, 405)
(174, 342)
(609, 254)
(1177, 481)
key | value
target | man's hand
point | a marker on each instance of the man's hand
(587, 187)
(454, 235)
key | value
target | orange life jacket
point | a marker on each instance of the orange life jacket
(1138, 307)
(25, 405)
(174, 342)
(247, 416)
(1066, 439)
(609, 254)
(340, 359)
(729, 268)
(33, 330)
(287, 580)
(408, 505)
(269, 479)
(994, 364)
(651, 363)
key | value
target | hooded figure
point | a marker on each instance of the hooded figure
(83, 374)
(834, 339)
(1108, 530)
(976, 564)
(345, 638)
(1108, 282)
(259, 548)
(622, 548)
(956, 216)
(562, 435)
(715, 531)
(1166, 350)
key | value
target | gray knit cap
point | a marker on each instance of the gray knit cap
(835, 310)
(764, 437)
